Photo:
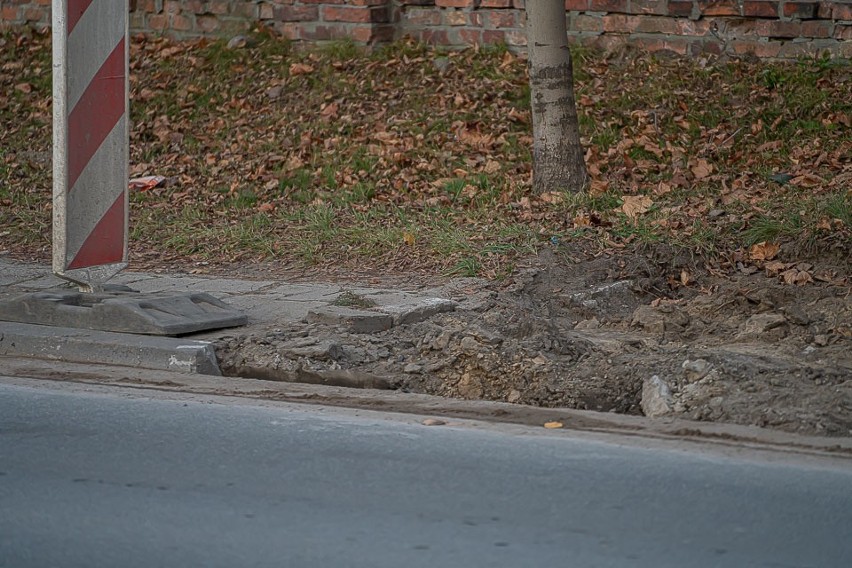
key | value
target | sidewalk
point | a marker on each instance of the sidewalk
(268, 304)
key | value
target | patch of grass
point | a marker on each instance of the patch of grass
(349, 299)
(355, 158)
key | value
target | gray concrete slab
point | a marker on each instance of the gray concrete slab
(122, 311)
(267, 303)
(129, 350)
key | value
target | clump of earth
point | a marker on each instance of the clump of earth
(608, 334)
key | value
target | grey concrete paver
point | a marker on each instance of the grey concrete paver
(267, 303)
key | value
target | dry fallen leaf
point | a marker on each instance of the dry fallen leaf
(300, 69)
(266, 207)
(598, 187)
(701, 169)
(552, 425)
(491, 167)
(635, 205)
(764, 251)
(409, 238)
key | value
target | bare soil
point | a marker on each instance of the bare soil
(613, 333)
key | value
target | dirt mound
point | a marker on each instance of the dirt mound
(608, 334)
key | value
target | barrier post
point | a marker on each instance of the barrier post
(90, 140)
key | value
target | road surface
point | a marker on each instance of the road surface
(131, 478)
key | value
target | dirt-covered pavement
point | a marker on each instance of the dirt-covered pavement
(606, 334)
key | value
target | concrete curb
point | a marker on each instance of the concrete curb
(88, 346)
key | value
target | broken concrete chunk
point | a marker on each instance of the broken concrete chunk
(417, 310)
(761, 324)
(696, 369)
(319, 350)
(356, 321)
(656, 397)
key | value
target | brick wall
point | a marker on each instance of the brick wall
(766, 28)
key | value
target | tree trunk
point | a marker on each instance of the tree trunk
(557, 154)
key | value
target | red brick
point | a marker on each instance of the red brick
(354, 14)
(172, 7)
(9, 13)
(501, 19)
(585, 23)
(758, 49)
(719, 7)
(455, 4)
(681, 8)
(219, 7)
(843, 32)
(841, 11)
(207, 23)
(366, 2)
(776, 28)
(317, 33)
(739, 28)
(817, 29)
(471, 36)
(295, 13)
(657, 7)
(620, 23)
(577, 5)
(516, 38)
(496, 4)
(674, 45)
(181, 23)
(801, 10)
(289, 30)
(158, 22)
(364, 34)
(34, 14)
(194, 6)
(760, 9)
(618, 6)
(493, 36)
(700, 27)
(434, 37)
(657, 25)
(454, 17)
(423, 16)
(249, 11)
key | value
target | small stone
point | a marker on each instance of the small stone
(442, 64)
(656, 397)
(588, 324)
(237, 42)
(433, 422)
(514, 396)
(412, 369)
(469, 345)
(761, 323)
(695, 370)
(821, 340)
(797, 315)
(716, 213)
(274, 93)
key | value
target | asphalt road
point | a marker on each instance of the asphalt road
(95, 479)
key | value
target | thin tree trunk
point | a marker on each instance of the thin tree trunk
(557, 154)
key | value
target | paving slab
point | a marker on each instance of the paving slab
(90, 346)
(122, 311)
(267, 303)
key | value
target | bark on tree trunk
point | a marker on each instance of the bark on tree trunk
(557, 154)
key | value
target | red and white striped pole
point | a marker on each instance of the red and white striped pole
(90, 140)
